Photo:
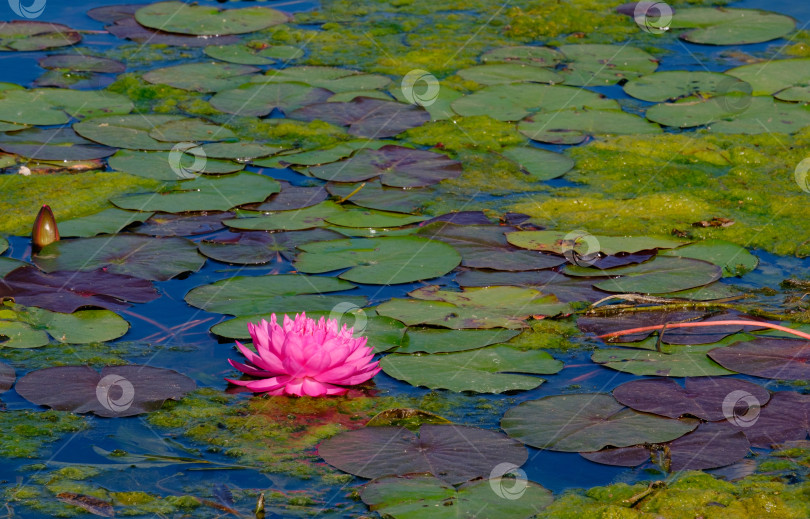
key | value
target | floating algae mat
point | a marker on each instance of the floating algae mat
(551, 256)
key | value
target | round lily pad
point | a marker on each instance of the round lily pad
(671, 361)
(659, 276)
(249, 295)
(732, 258)
(729, 26)
(126, 27)
(144, 257)
(334, 79)
(699, 111)
(320, 156)
(785, 418)
(765, 115)
(52, 144)
(51, 106)
(79, 327)
(784, 359)
(771, 76)
(584, 243)
(127, 131)
(373, 195)
(539, 164)
(257, 247)
(108, 221)
(183, 224)
(574, 126)
(191, 129)
(454, 453)
(675, 84)
(117, 391)
(293, 220)
(366, 117)
(369, 218)
(158, 164)
(7, 377)
(253, 53)
(201, 77)
(15, 334)
(588, 422)
(291, 197)
(379, 261)
(431, 498)
(203, 20)
(503, 73)
(261, 99)
(494, 369)
(25, 35)
(82, 63)
(601, 64)
(203, 194)
(437, 340)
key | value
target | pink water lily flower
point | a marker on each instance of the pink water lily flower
(304, 357)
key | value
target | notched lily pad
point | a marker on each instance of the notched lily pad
(26, 35)
(201, 77)
(257, 247)
(783, 359)
(366, 117)
(200, 20)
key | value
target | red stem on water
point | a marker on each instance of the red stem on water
(709, 323)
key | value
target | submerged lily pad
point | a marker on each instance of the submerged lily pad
(26, 35)
(140, 256)
(588, 422)
(784, 359)
(203, 194)
(484, 307)
(261, 99)
(366, 117)
(431, 498)
(251, 295)
(108, 221)
(117, 391)
(51, 106)
(201, 77)
(253, 53)
(257, 247)
(67, 291)
(494, 369)
(396, 166)
(379, 261)
(728, 26)
(454, 453)
(202, 20)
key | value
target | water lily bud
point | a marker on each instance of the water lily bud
(45, 231)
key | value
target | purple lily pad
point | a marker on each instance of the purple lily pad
(256, 247)
(366, 117)
(7, 377)
(711, 445)
(785, 418)
(111, 13)
(708, 398)
(485, 246)
(26, 35)
(784, 359)
(396, 166)
(117, 391)
(454, 453)
(166, 224)
(565, 288)
(604, 325)
(291, 197)
(66, 292)
(374, 195)
(82, 63)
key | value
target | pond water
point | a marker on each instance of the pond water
(213, 453)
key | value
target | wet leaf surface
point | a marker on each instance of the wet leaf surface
(784, 359)
(26, 35)
(785, 418)
(184, 224)
(437, 340)
(108, 221)
(366, 117)
(179, 17)
(257, 247)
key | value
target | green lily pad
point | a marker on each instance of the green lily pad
(344, 97)
(559, 242)
(661, 275)
(241, 151)
(80, 327)
(732, 258)
(698, 111)
(253, 53)
(440, 340)
(727, 26)
(675, 84)
(320, 156)
(203, 194)
(478, 307)
(14, 334)
(524, 55)
(671, 361)
(439, 108)
(51, 106)
(373, 195)
(588, 422)
(158, 164)
(252, 295)
(426, 497)
(108, 221)
(294, 220)
(202, 20)
(143, 257)
(334, 79)
(493, 369)
(602, 64)
(539, 164)
(383, 333)
(503, 73)
(3, 244)
(574, 126)
(369, 218)
(514, 102)
(201, 77)
(82, 63)
(379, 261)
(397, 166)
(126, 131)
(52, 144)
(257, 247)
(794, 94)
(191, 129)
(771, 76)
(765, 115)
(26, 35)
(261, 99)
